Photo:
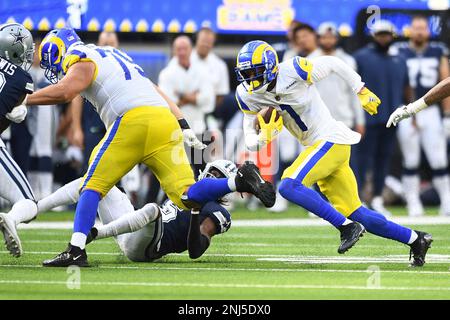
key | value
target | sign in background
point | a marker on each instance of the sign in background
(225, 16)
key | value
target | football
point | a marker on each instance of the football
(266, 113)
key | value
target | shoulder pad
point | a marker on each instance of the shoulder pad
(303, 68)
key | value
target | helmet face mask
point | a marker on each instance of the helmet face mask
(256, 65)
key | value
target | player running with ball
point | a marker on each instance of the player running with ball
(289, 88)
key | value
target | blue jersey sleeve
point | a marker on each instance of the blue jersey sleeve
(218, 214)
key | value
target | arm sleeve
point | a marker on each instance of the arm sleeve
(325, 65)
(197, 242)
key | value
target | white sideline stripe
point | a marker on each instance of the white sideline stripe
(164, 268)
(225, 285)
(308, 222)
(431, 258)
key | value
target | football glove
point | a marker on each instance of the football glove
(405, 112)
(191, 140)
(369, 101)
(398, 115)
(268, 131)
(17, 114)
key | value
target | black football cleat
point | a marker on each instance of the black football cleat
(419, 249)
(350, 234)
(248, 179)
(72, 256)
(92, 235)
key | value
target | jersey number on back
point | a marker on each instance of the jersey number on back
(123, 59)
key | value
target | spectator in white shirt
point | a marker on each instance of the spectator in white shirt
(217, 67)
(343, 103)
(189, 85)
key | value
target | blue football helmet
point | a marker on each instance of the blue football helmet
(256, 65)
(53, 49)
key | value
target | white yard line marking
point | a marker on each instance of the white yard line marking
(169, 268)
(431, 258)
(434, 220)
(225, 285)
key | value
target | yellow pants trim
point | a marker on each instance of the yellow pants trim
(327, 164)
(149, 135)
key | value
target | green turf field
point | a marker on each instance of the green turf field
(271, 262)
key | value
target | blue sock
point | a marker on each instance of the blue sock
(86, 211)
(309, 199)
(377, 224)
(208, 189)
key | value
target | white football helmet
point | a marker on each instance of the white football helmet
(224, 167)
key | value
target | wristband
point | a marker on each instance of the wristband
(195, 211)
(183, 124)
(416, 106)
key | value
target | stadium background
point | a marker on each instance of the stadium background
(146, 29)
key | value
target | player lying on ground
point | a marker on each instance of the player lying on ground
(289, 88)
(152, 232)
(16, 58)
(435, 95)
(142, 128)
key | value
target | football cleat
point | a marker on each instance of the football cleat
(350, 234)
(248, 179)
(72, 256)
(12, 240)
(419, 249)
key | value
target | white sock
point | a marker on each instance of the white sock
(414, 236)
(129, 222)
(67, 194)
(347, 221)
(442, 185)
(411, 188)
(78, 240)
(23, 211)
(232, 184)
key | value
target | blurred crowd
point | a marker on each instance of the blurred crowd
(405, 165)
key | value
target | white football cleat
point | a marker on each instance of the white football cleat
(377, 205)
(12, 240)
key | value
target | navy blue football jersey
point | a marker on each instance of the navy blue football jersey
(176, 225)
(423, 67)
(15, 83)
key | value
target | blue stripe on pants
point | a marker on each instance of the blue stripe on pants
(313, 161)
(102, 150)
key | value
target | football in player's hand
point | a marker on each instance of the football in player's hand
(266, 113)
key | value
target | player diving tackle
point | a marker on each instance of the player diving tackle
(152, 232)
(289, 88)
(142, 128)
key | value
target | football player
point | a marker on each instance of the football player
(427, 63)
(16, 58)
(289, 87)
(142, 128)
(152, 232)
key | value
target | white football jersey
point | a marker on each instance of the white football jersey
(297, 100)
(119, 84)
